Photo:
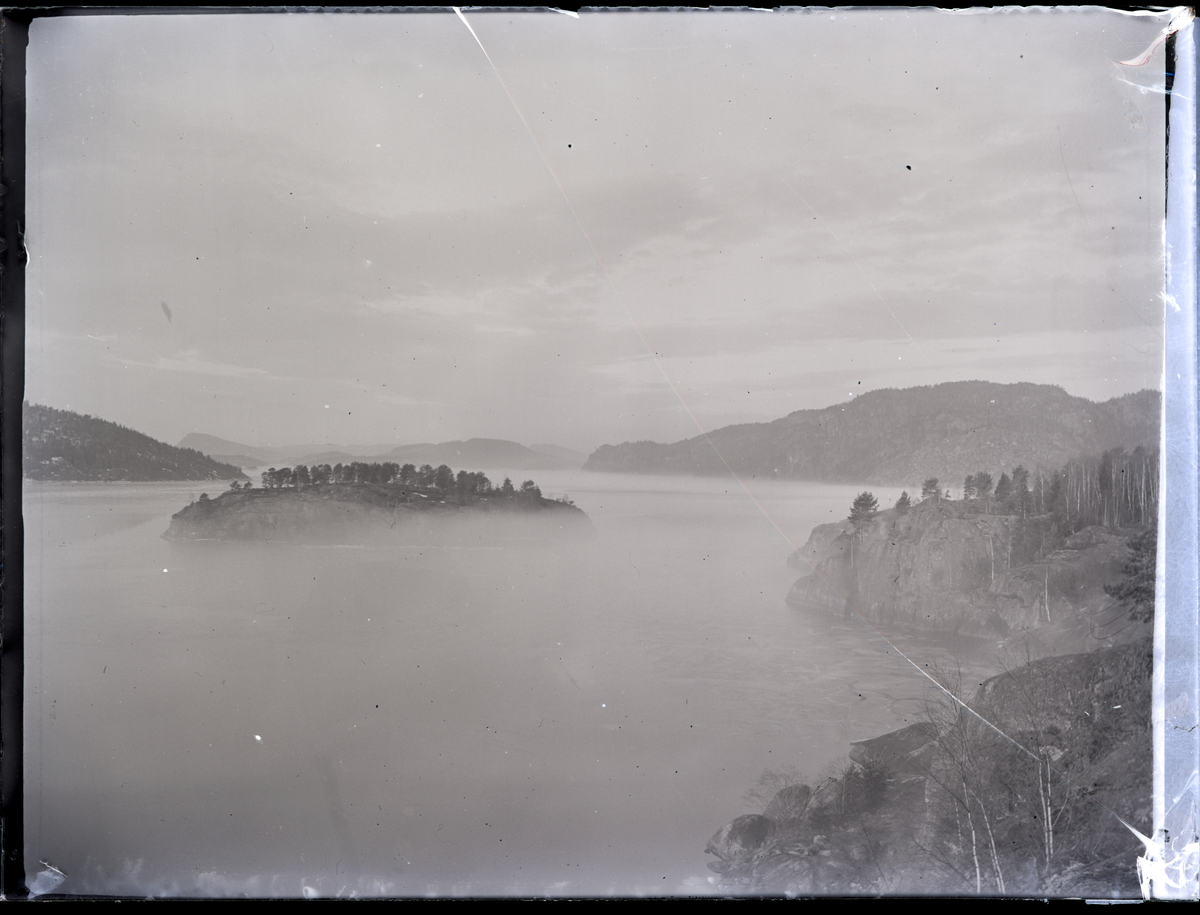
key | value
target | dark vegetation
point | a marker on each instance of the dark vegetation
(1136, 590)
(425, 481)
(62, 445)
(1024, 788)
(891, 436)
(863, 511)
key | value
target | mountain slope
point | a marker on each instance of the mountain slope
(62, 445)
(903, 436)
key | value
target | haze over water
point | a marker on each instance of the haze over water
(573, 717)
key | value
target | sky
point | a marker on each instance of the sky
(401, 228)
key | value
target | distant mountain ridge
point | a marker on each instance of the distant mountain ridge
(219, 448)
(63, 445)
(491, 453)
(575, 458)
(900, 437)
(479, 452)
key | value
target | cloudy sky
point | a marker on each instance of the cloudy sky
(383, 228)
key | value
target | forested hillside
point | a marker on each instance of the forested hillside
(895, 436)
(62, 445)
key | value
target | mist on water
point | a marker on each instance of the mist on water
(436, 714)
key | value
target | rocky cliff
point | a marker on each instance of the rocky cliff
(956, 803)
(358, 512)
(950, 566)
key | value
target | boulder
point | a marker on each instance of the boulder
(905, 753)
(737, 841)
(788, 803)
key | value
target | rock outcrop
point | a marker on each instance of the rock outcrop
(835, 838)
(736, 843)
(906, 753)
(1070, 735)
(366, 512)
(948, 566)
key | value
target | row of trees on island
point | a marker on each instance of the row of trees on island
(442, 480)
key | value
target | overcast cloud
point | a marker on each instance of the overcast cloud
(675, 218)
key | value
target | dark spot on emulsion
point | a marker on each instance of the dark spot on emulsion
(909, 167)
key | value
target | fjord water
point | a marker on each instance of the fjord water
(574, 716)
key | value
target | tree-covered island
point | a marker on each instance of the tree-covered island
(349, 502)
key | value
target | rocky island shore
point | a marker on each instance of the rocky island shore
(358, 512)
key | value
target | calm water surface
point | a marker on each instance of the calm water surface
(575, 717)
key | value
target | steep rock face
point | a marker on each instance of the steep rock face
(357, 512)
(1070, 578)
(820, 540)
(923, 568)
(945, 566)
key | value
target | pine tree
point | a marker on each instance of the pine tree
(863, 510)
(983, 484)
(969, 488)
(1141, 575)
(1003, 489)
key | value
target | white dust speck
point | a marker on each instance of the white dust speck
(257, 737)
